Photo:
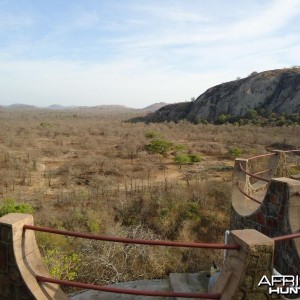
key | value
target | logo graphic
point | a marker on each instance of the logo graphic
(281, 284)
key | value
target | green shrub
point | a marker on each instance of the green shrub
(192, 211)
(222, 119)
(62, 265)
(195, 158)
(185, 159)
(182, 159)
(10, 206)
(83, 219)
(251, 114)
(293, 171)
(235, 151)
(159, 147)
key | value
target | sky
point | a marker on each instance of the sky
(138, 52)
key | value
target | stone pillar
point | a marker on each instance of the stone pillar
(244, 268)
(280, 159)
(21, 261)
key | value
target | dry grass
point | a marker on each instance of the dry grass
(89, 172)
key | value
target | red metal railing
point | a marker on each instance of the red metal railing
(272, 153)
(245, 194)
(261, 172)
(287, 151)
(253, 175)
(128, 291)
(286, 237)
(131, 241)
(128, 241)
(262, 155)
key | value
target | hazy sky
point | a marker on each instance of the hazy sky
(135, 53)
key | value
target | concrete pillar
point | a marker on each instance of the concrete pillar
(244, 268)
(21, 261)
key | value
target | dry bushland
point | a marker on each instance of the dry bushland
(87, 171)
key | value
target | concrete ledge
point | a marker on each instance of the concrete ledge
(21, 261)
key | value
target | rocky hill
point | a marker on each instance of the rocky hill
(155, 106)
(276, 91)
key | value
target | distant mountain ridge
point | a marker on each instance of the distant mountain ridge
(60, 107)
(275, 91)
(108, 107)
(20, 106)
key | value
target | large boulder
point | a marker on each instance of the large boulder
(275, 91)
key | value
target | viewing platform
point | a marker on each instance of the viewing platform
(265, 231)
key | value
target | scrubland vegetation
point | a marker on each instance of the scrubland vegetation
(261, 118)
(87, 171)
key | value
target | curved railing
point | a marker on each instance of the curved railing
(245, 194)
(130, 241)
(44, 279)
(249, 182)
(23, 268)
(269, 203)
(254, 175)
(25, 263)
(135, 291)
